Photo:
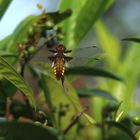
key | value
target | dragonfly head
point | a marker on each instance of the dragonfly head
(60, 48)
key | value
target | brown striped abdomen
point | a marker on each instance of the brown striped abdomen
(59, 68)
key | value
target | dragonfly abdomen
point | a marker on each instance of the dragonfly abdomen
(59, 68)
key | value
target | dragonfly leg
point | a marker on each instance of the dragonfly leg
(67, 51)
(68, 58)
(53, 51)
(52, 58)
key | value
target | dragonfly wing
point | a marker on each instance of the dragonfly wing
(67, 58)
(84, 56)
(86, 51)
(52, 58)
(76, 61)
(79, 56)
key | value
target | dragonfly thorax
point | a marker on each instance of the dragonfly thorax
(60, 48)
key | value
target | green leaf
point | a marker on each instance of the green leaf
(95, 92)
(60, 16)
(122, 127)
(7, 54)
(4, 42)
(3, 7)
(137, 40)
(131, 71)
(51, 82)
(71, 4)
(109, 44)
(58, 97)
(6, 92)
(119, 116)
(27, 131)
(84, 16)
(43, 86)
(10, 74)
(88, 15)
(91, 72)
(68, 26)
(128, 66)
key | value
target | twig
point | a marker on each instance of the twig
(74, 121)
(23, 65)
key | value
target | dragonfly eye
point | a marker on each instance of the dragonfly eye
(60, 48)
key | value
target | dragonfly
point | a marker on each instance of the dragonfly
(60, 59)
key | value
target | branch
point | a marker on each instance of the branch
(74, 121)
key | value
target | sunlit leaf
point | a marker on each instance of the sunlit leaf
(84, 16)
(95, 92)
(26, 131)
(9, 73)
(137, 40)
(89, 118)
(109, 44)
(91, 72)
(88, 14)
(119, 116)
(68, 26)
(131, 72)
(116, 114)
(4, 42)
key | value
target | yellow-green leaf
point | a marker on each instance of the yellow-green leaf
(9, 73)
(89, 118)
